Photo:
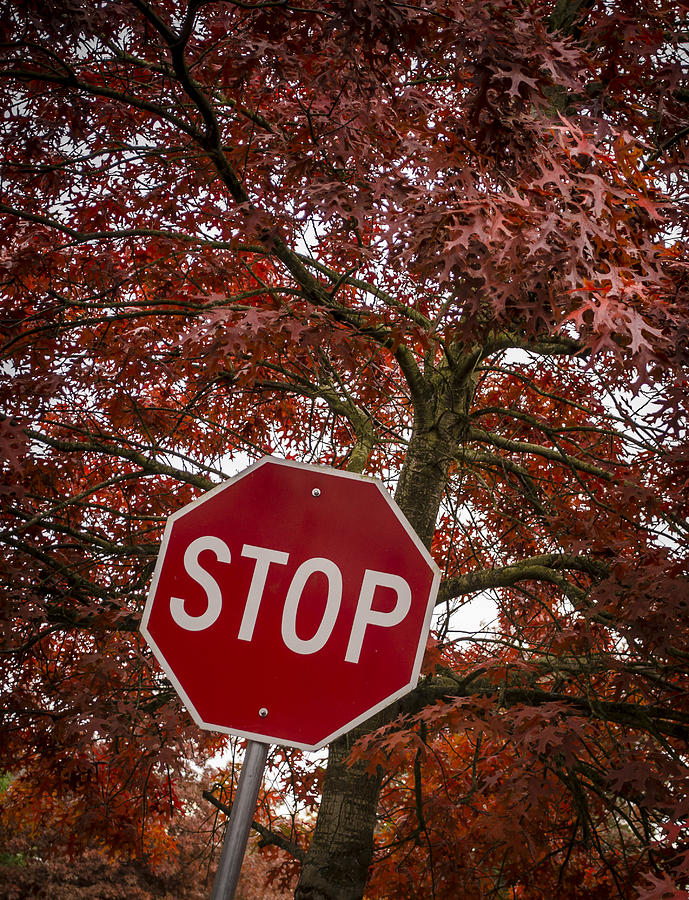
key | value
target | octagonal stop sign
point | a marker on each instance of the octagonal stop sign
(290, 603)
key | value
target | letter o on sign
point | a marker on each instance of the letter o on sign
(332, 605)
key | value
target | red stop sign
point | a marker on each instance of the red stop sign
(290, 603)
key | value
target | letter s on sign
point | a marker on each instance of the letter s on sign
(205, 579)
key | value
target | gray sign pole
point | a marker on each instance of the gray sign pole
(239, 822)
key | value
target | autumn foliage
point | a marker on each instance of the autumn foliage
(440, 242)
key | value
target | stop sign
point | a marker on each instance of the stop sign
(290, 603)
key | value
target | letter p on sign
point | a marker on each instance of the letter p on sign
(365, 615)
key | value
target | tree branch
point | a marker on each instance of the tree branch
(546, 567)
(268, 837)
(488, 437)
(645, 717)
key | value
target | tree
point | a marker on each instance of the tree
(443, 243)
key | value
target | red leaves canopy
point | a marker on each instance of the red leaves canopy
(443, 242)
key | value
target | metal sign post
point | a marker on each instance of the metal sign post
(239, 822)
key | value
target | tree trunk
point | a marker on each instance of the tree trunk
(338, 859)
(337, 863)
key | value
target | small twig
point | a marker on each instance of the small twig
(268, 837)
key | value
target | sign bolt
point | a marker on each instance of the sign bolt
(316, 492)
(263, 712)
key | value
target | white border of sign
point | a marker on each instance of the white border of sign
(323, 470)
